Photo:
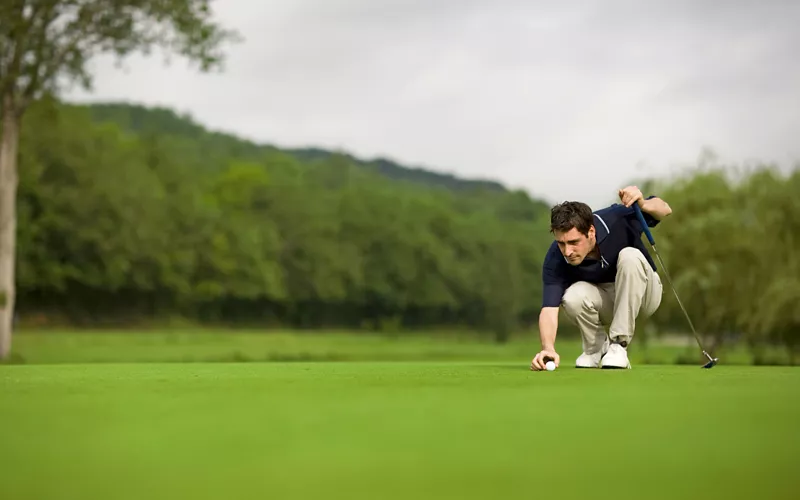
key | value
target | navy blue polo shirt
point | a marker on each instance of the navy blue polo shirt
(616, 227)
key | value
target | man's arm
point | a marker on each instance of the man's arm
(554, 285)
(655, 206)
(548, 327)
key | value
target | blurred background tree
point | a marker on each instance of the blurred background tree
(47, 43)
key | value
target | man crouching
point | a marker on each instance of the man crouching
(600, 272)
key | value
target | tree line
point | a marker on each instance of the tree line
(117, 224)
(125, 219)
(731, 250)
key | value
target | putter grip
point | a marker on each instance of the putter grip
(643, 223)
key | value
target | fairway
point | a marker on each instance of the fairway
(397, 430)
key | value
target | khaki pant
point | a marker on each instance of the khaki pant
(594, 306)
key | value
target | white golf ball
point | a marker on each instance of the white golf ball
(550, 366)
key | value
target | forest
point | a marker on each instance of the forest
(129, 215)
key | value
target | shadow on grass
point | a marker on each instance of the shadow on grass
(298, 357)
(13, 359)
(517, 367)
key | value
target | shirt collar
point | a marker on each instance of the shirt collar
(600, 234)
(601, 229)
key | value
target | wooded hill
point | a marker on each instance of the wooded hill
(165, 121)
(128, 213)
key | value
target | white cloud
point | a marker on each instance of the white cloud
(564, 102)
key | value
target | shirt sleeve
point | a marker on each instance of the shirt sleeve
(630, 214)
(553, 282)
(649, 219)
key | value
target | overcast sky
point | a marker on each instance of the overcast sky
(567, 100)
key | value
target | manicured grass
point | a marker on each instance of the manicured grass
(396, 430)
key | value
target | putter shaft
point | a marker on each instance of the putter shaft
(669, 280)
(643, 222)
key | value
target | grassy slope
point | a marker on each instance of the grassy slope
(396, 430)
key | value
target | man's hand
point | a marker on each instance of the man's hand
(548, 325)
(541, 359)
(630, 195)
(654, 205)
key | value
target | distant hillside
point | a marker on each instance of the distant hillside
(396, 171)
(159, 120)
(127, 214)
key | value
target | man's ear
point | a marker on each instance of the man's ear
(592, 232)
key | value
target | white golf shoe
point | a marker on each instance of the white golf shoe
(591, 360)
(616, 357)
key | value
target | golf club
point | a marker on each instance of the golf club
(711, 361)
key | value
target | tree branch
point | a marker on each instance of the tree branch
(16, 41)
(48, 16)
(75, 31)
(41, 40)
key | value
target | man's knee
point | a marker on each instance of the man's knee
(576, 298)
(630, 256)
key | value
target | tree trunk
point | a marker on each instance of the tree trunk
(9, 144)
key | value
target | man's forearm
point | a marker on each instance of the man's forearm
(656, 207)
(548, 326)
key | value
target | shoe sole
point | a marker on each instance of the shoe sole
(615, 367)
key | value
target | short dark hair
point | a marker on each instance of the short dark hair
(565, 216)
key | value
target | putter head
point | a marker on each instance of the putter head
(711, 361)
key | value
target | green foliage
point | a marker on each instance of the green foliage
(731, 249)
(128, 213)
(48, 42)
(159, 120)
(147, 218)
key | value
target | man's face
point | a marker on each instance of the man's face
(574, 245)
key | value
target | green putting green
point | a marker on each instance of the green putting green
(402, 430)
